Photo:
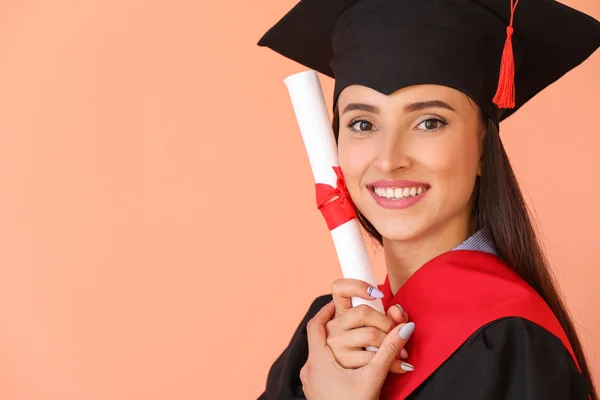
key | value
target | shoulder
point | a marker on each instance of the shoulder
(515, 341)
(513, 358)
(312, 310)
(317, 304)
(516, 331)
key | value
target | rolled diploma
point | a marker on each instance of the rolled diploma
(311, 112)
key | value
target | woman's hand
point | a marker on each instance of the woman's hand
(323, 378)
(354, 328)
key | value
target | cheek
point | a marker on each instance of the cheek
(354, 157)
(454, 166)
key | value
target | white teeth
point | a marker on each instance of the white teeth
(398, 193)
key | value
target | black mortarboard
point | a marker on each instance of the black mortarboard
(390, 44)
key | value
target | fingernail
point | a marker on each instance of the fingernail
(403, 354)
(374, 292)
(406, 367)
(407, 330)
(401, 309)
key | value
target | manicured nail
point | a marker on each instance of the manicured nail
(374, 292)
(401, 309)
(406, 367)
(407, 330)
(403, 354)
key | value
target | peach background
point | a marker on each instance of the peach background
(149, 166)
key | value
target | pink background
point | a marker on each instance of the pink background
(158, 234)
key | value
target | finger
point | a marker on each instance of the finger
(344, 289)
(397, 314)
(401, 367)
(390, 349)
(364, 315)
(404, 354)
(358, 359)
(355, 359)
(357, 339)
(315, 329)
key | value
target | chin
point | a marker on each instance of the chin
(400, 235)
(397, 230)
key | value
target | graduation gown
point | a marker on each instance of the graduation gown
(481, 333)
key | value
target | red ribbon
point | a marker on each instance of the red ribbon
(335, 203)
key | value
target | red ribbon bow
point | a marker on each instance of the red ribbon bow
(335, 203)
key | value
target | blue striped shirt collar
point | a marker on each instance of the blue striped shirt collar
(479, 241)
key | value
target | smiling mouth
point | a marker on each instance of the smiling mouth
(392, 193)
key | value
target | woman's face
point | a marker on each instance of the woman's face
(410, 159)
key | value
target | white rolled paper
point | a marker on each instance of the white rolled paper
(311, 113)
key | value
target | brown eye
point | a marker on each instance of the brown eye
(361, 126)
(364, 125)
(431, 124)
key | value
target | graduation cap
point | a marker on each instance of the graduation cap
(501, 53)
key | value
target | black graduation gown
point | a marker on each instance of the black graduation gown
(509, 358)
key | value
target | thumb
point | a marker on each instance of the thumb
(390, 348)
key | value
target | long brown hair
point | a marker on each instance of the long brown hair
(501, 209)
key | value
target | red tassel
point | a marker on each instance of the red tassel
(505, 95)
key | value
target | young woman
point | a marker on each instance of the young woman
(472, 310)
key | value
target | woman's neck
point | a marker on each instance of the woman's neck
(404, 258)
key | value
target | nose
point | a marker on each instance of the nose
(393, 153)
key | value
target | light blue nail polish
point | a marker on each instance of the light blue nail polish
(406, 367)
(407, 330)
(374, 292)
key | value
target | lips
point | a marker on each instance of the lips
(397, 183)
(397, 193)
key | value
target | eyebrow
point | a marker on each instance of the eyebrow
(411, 107)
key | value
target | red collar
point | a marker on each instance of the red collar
(450, 298)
